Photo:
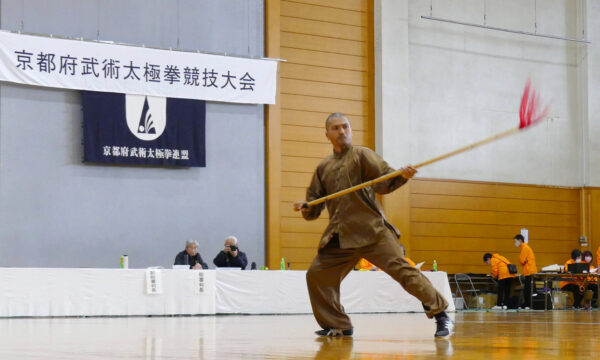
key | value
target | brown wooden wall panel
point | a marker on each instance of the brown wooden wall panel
(509, 191)
(299, 225)
(310, 134)
(456, 222)
(325, 90)
(323, 74)
(324, 59)
(325, 44)
(328, 105)
(300, 240)
(460, 202)
(491, 231)
(294, 179)
(322, 28)
(328, 45)
(355, 5)
(290, 194)
(299, 148)
(299, 164)
(476, 258)
(317, 120)
(491, 217)
(303, 255)
(322, 13)
(467, 268)
(499, 245)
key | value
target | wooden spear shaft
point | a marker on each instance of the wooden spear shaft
(399, 172)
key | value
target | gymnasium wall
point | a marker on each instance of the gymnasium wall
(590, 61)
(465, 83)
(456, 222)
(56, 211)
(327, 46)
(441, 86)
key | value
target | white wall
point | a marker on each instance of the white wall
(592, 59)
(440, 86)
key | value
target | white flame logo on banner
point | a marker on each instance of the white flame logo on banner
(146, 116)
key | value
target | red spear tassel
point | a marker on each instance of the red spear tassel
(530, 112)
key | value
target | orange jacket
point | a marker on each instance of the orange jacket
(364, 264)
(563, 283)
(527, 259)
(591, 278)
(500, 267)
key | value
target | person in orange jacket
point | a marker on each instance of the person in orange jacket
(500, 272)
(573, 286)
(527, 260)
(365, 265)
(588, 257)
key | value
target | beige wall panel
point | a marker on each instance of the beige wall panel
(355, 5)
(326, 90)
(317, 119)
(326, 44)
(322, 13)
(332, 30)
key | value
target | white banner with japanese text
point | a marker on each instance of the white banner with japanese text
(106, 67)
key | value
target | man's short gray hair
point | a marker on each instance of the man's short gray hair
(231, 237)
(335, 115)
(190, 242)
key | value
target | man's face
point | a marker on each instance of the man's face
(339, 132)
(487, 261)
(229, 242)
(192, 249)
(517, 243)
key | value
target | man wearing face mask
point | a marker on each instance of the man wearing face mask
(501, 273)
(527, 260)
(573, 286)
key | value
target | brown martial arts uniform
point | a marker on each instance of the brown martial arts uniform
(357, 229)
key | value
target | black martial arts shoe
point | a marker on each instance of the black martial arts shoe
(335, 332)
(445, 326)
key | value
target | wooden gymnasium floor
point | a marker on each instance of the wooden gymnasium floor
(479, 335)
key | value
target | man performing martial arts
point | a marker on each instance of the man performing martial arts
(358, 229)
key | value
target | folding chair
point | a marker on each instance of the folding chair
(469, 288)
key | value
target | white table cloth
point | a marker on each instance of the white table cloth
(34, 292)
(284, 292)
(101, 292)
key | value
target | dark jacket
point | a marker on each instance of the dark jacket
(224, 259)
(183, 258)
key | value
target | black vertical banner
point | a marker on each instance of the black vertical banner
(143, 130)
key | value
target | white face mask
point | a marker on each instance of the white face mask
(578, 260)
(517, 243)
(588, 259)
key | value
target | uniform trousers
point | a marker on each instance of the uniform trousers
(333, 263)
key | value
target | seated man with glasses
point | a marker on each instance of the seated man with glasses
(190, 256)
